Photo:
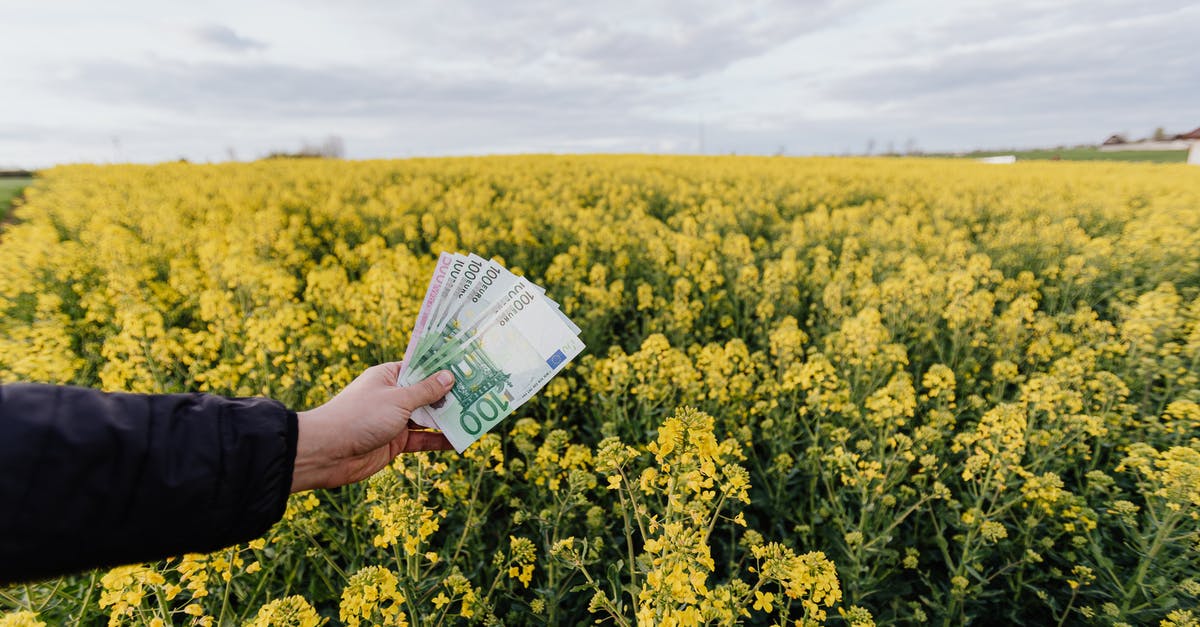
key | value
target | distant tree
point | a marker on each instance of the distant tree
(332, 148)
(1160, 134)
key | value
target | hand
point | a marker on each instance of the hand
(364, 428)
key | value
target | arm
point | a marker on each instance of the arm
(90, 479)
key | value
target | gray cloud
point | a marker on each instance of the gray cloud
(700, 39)
(379, 111)
(1072, 77)
(266, 90)
(653, 38)
(1023, 18)
(225, 38)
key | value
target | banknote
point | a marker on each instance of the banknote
(497, 366)
(498, 333)
(469, 305)
(440, 275)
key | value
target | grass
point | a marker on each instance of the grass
(10, 189)
(1081, 154)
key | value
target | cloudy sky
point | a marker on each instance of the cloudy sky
(210, 81)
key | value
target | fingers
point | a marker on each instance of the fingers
(415, 439)
(426, 441)
(389, 371)
(428, 391)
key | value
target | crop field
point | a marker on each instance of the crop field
(1087, 154)
(893, 391)
(9, 189)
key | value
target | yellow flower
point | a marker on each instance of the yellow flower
(124, 587)
(293, 611)
(524, 574)
(372, 596)
(762, 602)
(405, 519)
(21, 619)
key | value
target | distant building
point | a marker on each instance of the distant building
(1117, 142)
(1193, 135)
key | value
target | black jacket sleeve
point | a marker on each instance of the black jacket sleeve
(89, 479)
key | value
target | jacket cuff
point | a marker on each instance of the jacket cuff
(281, 489)
(264, 501)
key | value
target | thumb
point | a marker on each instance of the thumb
(428, 391)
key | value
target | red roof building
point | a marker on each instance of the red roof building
(1194, 135)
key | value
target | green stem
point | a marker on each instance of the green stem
(1156, 545)
(324, 554)
(462, 538)
(87, 599)
(612, 610)
(166, 614)
(228, 586)
(716, 516)
(629, 549)
(1067, 610)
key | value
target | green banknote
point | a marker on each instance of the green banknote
(501, 337)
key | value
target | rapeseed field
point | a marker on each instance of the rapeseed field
(851, 391)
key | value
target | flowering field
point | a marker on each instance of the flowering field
(815, 390)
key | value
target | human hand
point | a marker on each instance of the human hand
(364, 427)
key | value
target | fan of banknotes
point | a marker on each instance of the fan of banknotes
(497, 332)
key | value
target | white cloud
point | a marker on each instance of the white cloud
(144, 82)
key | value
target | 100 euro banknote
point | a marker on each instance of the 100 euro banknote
(500, 336)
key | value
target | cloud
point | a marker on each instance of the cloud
(1066, 76)
(262, 89)
(653, 38)
(224, 38)
(474, 76)
(696, 39)
(379, 110)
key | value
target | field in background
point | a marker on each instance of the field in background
(1080, 154)
(917, 390)
(10, 188)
